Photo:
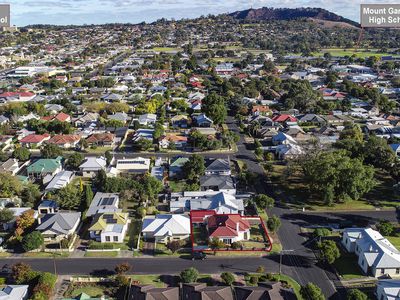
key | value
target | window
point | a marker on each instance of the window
(108, 239)
(382, 271)
(115, 238)
(398, 271)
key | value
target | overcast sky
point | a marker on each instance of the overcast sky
(64, 12)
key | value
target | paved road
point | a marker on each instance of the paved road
(167, 265)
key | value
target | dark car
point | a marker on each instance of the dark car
(199, 255)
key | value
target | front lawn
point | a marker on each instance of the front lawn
(395, 240)
(46, 254)
(101, 254)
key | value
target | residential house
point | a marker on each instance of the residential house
(14, 292)
(228, 228)
(103, 203)
(180, 121)
(61, 117)
(284, 119)
(92, 166)
(4, 120)
(119, 116)
(101, 139)
(10, 166)
(200, 291)
(203, 121)
(5, 141)
(146, 292)
(288, 151)
(65, 141)
(17, 211)
(376, 255)
(388, 289)
(34, 140)
(44, 166)
(165, 228)
(264, 291)
(178, 141)
(59, 181)
(54, 108)
(147, 119)
(146, 134)
(220, 183)
(47, 207)
(87, 119)
(109, 227)
(133, 165)
(282, 138)
(219, 202)
(175, 167)
(58, 226)
(218, 167)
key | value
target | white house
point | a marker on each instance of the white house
(376, 255)
(92, 166)
(147, 119)
(14, 292)
(59, 181)
(109, 227)
(103, 203)
(165, 228)
(133, 165)
(388, 289)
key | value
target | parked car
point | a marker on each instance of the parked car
(199, 255)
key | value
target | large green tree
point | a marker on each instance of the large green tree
(32, 241)
(214, 107)
(194, 167)
(312, 292)
(21, 153)
(9, 185)
(51, 151)
(337, 176)
(329, 251)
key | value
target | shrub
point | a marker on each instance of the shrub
(189, 275)
(254, 280)
(228, 278)
(32, 241)
(236, 245)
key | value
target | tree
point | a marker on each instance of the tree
(216, 244)
(108, 156)
(10, 186)
(6, 215)
(312, 292)
(378, 153)
(75, 160)
(21, 153)
(228, 278)
(355, 294)
(144, 144)
(385, 227)
(30, 194)
(321, 232)
(122, 268)
(194, 167)
(329, 251)
(22, 273)
(69, 197)
(263, 201)
(338, 176)
(174, 246)
(189, 275)
(88, 195)
(32, 241)
(214, 107)
(274, 223)
(25, 220)
(51, 151)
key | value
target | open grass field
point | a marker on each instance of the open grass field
(295, 192)
(361, 53)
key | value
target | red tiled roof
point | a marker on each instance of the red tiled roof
(100, 137)
(284, 118)
(226, 225)
(64, 139)
(198, 216)
(62, 117)
(20, 94)
(34, 138)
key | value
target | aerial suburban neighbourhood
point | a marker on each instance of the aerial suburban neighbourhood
(249, 155)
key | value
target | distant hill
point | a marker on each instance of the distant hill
(267, 13)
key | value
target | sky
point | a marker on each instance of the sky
(78, 12)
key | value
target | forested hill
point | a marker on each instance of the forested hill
(267, 13)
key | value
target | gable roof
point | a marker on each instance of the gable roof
(167, 225)
(219, 165)
(102, 221)
(45, 165)
(59, 223)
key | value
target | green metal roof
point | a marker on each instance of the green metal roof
(45, 165)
